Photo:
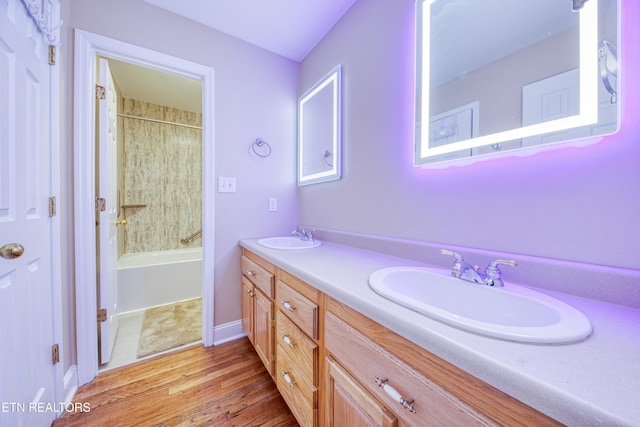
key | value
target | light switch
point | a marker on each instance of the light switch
(273, 204)
(227, 184)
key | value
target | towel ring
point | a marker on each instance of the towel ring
(261, 147)
(325, 158)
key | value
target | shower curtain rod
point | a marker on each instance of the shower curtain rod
(158, 121)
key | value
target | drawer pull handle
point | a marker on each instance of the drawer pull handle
(250, 273)
(288, 379)
(395, 395)
(288, 306)
(286, 339)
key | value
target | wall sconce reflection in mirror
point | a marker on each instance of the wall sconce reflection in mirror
(319, 130)
(513, 75)
(608, 59)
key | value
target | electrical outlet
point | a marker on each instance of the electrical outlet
(273, 204)
(227, 184)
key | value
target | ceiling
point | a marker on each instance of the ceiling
(157, 87)
(290, 28)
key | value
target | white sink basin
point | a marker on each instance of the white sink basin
(288, 242)
(511, 313)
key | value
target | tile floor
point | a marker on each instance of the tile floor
(126, 345)
(125, 348)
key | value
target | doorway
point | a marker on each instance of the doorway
(88, 47)
(149, 170)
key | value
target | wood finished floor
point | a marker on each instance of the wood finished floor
(225, 385)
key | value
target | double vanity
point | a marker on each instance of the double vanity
(342, 334)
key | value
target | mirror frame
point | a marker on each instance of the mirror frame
(333, 79)
(425, 155)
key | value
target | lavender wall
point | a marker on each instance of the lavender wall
(578, 204)
(255, 96)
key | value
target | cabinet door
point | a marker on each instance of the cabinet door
(247, 308)
(391, 380)
(263, 328)
(350, 404)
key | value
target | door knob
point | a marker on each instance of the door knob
(11, 251)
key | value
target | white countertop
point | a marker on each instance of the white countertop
(592, 383)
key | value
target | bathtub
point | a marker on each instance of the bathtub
(148, 279)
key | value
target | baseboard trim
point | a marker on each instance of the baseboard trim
(68, 393)
(228, 332)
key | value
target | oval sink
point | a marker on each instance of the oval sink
(511, 313)
(288, 242)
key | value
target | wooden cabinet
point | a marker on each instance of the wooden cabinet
(348, 403)
(259, 272)
(263, 329)
(296, 389)
(416, 386)
(247, 307)
(258, 277)
(411, 397)
(302, 350)
(335, 367)
(297, 351)
(302, 311)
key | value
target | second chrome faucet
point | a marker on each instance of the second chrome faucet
(492, 275)
(306, 235)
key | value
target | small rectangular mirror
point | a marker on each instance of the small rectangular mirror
(499, 75)
(319, 130)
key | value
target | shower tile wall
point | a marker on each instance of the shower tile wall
(162, 166)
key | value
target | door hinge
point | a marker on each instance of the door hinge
(101, 92)
(52, 206)
(52, 55)
(102, 315)
(101, 204)
(55, 354)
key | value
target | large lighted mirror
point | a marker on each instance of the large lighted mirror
(319, 130)
(499, 75)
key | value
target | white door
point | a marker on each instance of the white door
(553, 98)
(27, 375)
(557, 97)
(107, 230)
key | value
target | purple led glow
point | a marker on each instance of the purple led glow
(561, 149)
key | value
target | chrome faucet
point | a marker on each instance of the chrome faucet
(306, 235)
(463, 270)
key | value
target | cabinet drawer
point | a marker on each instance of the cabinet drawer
(365, 360)
(298, 308)
(300, 395)
(300, 349)
(258, 275)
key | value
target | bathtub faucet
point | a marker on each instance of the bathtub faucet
(306, 235)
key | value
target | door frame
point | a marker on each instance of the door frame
(88, 47)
